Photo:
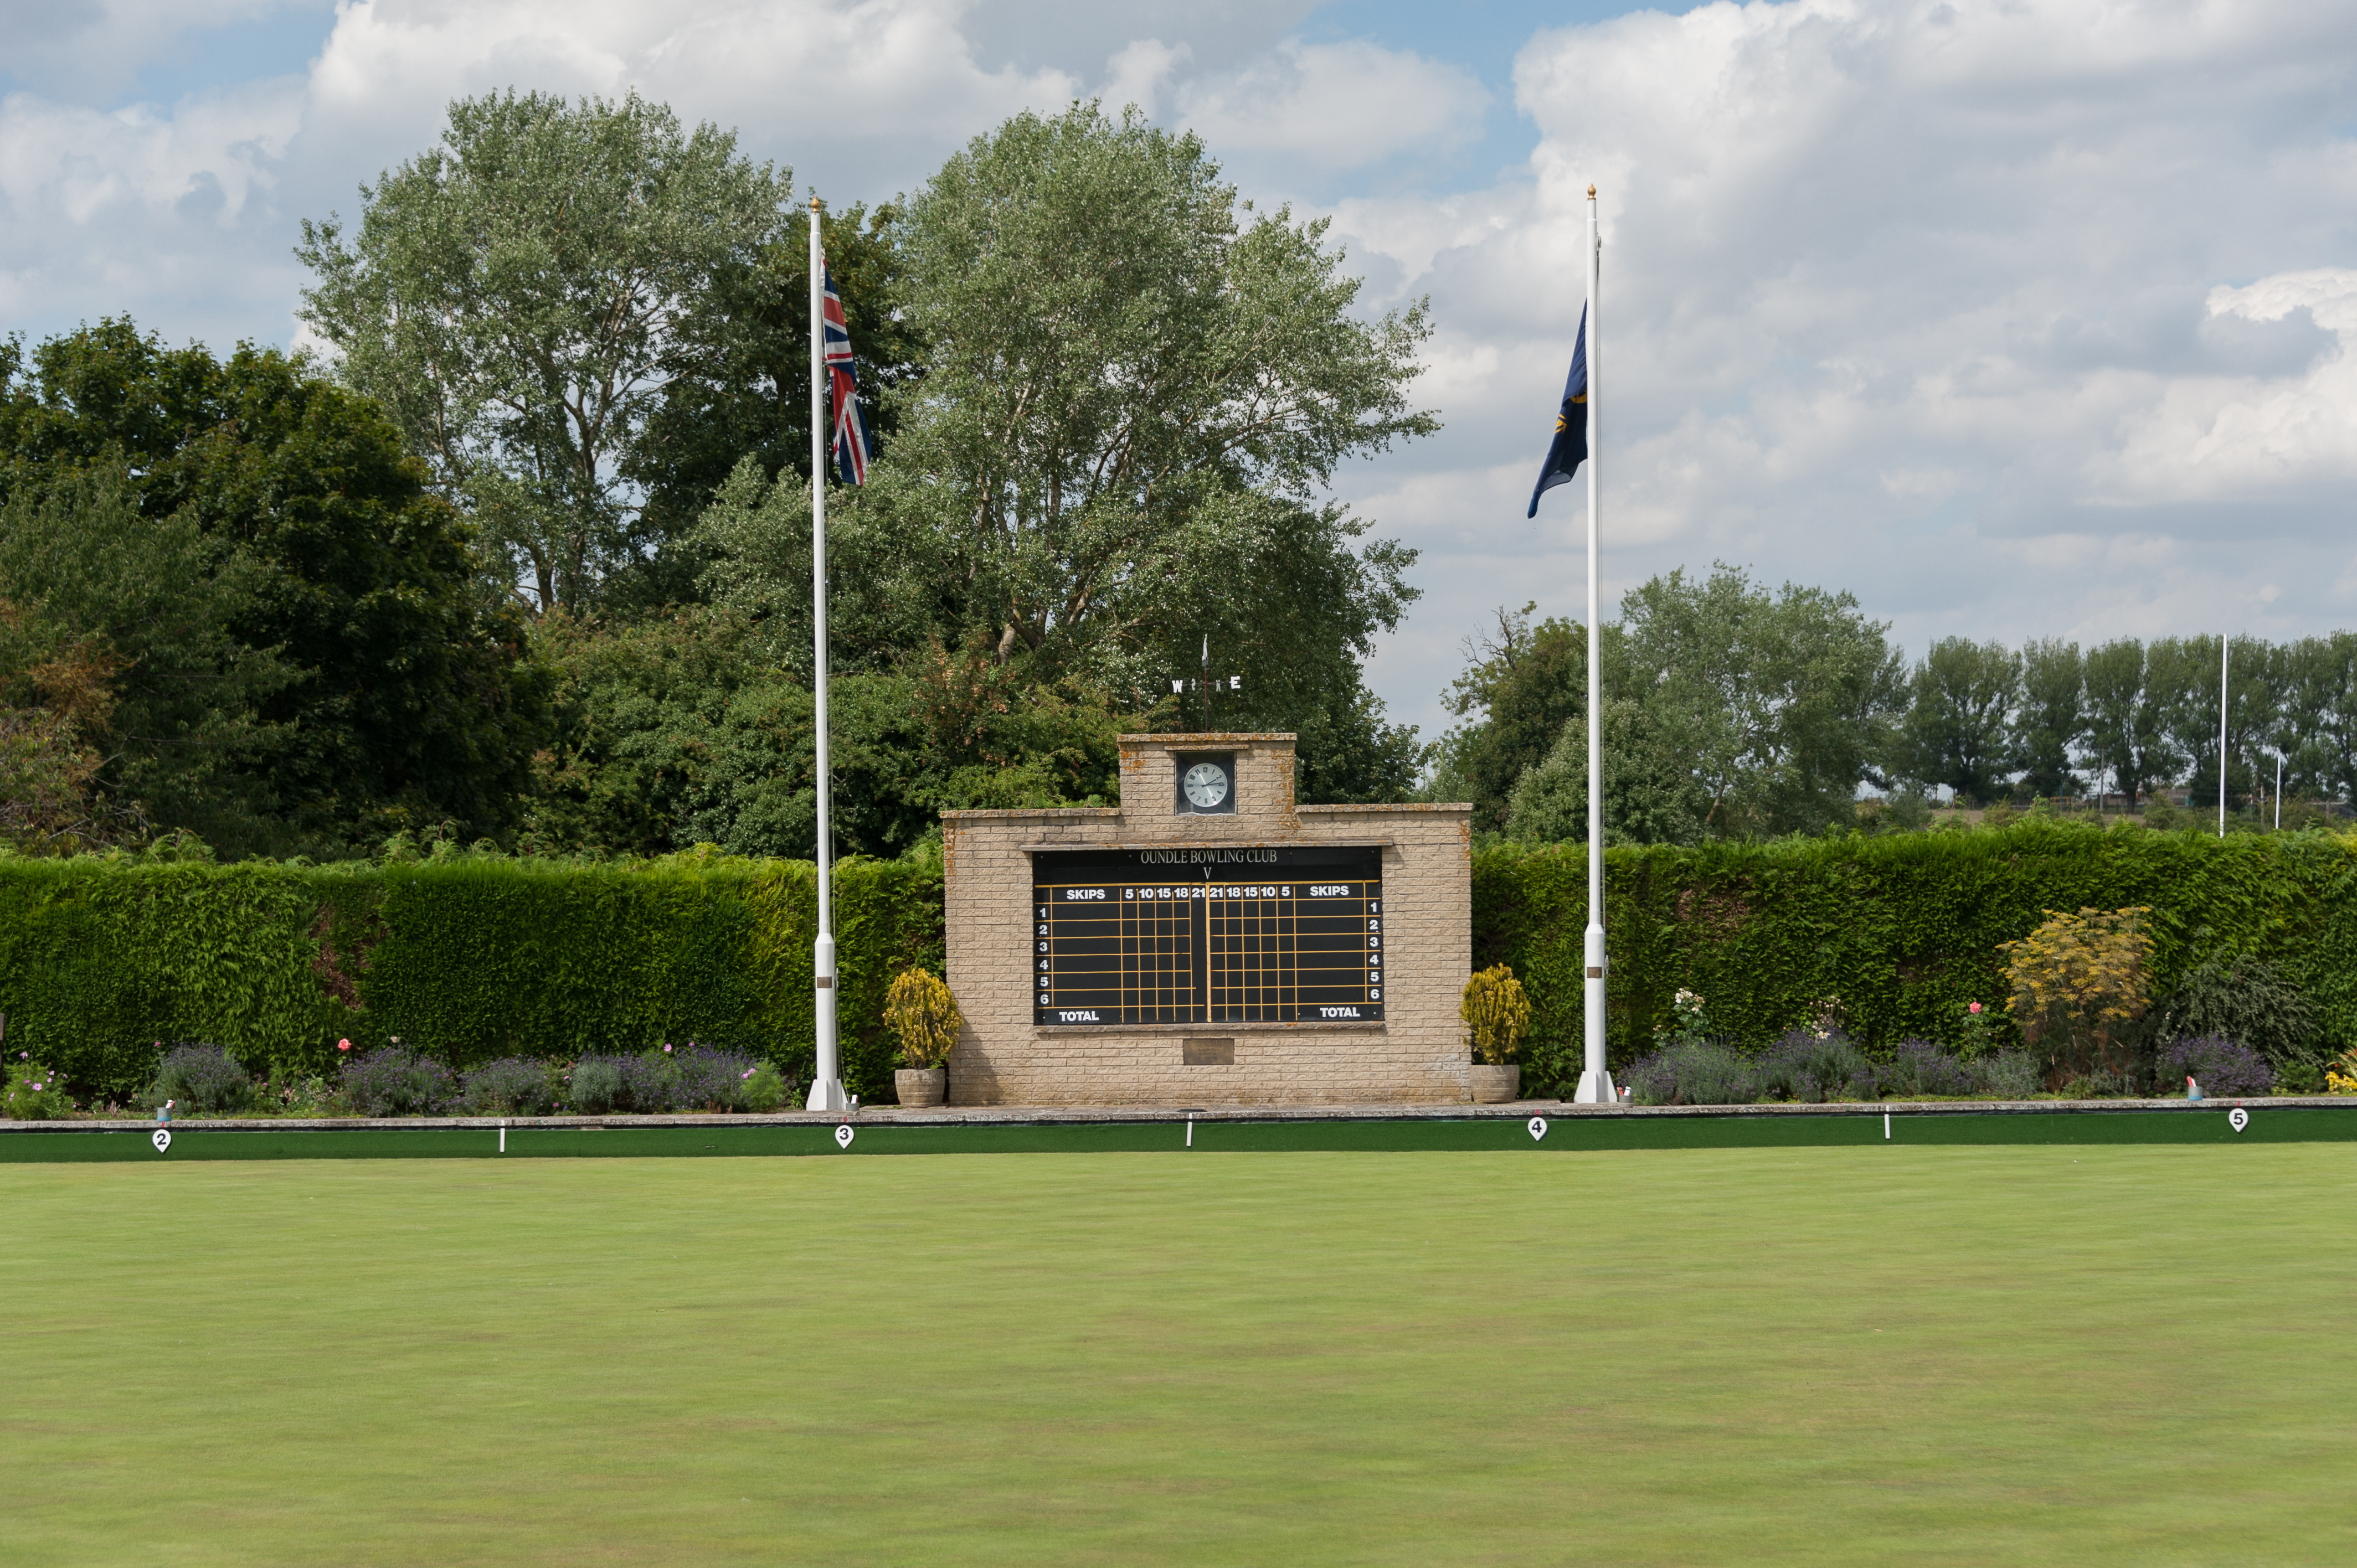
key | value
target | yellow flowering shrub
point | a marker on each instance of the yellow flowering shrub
(2341, 1074)
(921, 1012)
(1497, 1014)
(2081, 983)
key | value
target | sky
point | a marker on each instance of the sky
(2014, 318)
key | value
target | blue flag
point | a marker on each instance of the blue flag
(1570, 448)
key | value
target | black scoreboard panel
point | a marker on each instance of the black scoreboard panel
(1207, 936)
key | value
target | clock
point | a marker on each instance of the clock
(1206, 784)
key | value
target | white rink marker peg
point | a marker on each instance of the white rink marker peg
(842, 1136)
(2238, 1119)
(162, 1138)
(1538, 1128)
(1886, 1126)
(504, 1134)
(1190, 1132)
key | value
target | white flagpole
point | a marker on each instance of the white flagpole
(826, 1085)
(1594, 1082)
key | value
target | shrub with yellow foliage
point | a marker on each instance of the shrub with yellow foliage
(2080, 984)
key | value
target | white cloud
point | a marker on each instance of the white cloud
(2016, 319)
(1314, 107)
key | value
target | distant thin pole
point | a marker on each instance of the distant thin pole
(2279, 791)
(2225, 646)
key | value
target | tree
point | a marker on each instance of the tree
(163, 714)
(1962, 702)
(2182, 675)
(406, 697)
(2318, 729)
(1777, 705)
(1526, 685)
(748, 403)
(1135, 389)
(522, 299)
(1649, 795)
(674, 731)
(2052, 718)
(2125, 734)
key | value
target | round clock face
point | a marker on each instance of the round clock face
(1206, 784)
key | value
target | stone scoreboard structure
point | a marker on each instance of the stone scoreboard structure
(1209, 941)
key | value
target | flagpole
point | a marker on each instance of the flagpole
(826, 1084)
(1594, 1082)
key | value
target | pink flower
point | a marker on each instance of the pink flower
(1975, 1008)
(343, 1045)
(666, 1045)
(749, 1072)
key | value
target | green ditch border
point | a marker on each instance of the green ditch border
(193, 1141)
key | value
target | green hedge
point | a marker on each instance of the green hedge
(1903, 929)
(466, 958)
(475, 958)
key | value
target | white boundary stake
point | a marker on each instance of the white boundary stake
(1886, 1126)
(504, 1134)
(1190, 1132)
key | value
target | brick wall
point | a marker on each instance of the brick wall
(1416, 1054)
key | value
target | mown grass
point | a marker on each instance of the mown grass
(2131, 1355)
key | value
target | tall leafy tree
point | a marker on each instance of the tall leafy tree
(2317, 730)
(132, 702)
(2127, 737)
(523, 298)
(748, 402)
(405, 695)
(2183, 676)
(1521, 689)
(1959, 715)
(1136, 389)
(2052, 718)
(1777, 705)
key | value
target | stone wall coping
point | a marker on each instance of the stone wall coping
(1432, 805)
(1031, 813)
(1456, 1111)
(1204, 737)
(1213, 843)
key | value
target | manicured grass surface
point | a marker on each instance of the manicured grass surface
(1968, 1355)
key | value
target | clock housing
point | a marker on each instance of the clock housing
(1197, 792)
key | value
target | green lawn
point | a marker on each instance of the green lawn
(2113, 1353)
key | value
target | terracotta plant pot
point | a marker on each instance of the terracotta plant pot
(1496, 1085)
(922, 1086)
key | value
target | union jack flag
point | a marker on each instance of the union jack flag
(850, 443)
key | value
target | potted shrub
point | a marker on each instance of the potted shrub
(924, 1014)
(1496, 1015)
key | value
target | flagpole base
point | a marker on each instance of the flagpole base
(826, 1094)
(1596, 1089)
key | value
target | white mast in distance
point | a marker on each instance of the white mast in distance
(2225, 646)
(1594, 1082)
(826, 1084)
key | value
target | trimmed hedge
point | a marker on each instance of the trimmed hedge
(466, 959)
(1903, 929)
(470, 958)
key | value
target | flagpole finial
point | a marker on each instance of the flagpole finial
(1591, 190)
(1591, 194)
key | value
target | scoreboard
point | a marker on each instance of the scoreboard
(1207, 936)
